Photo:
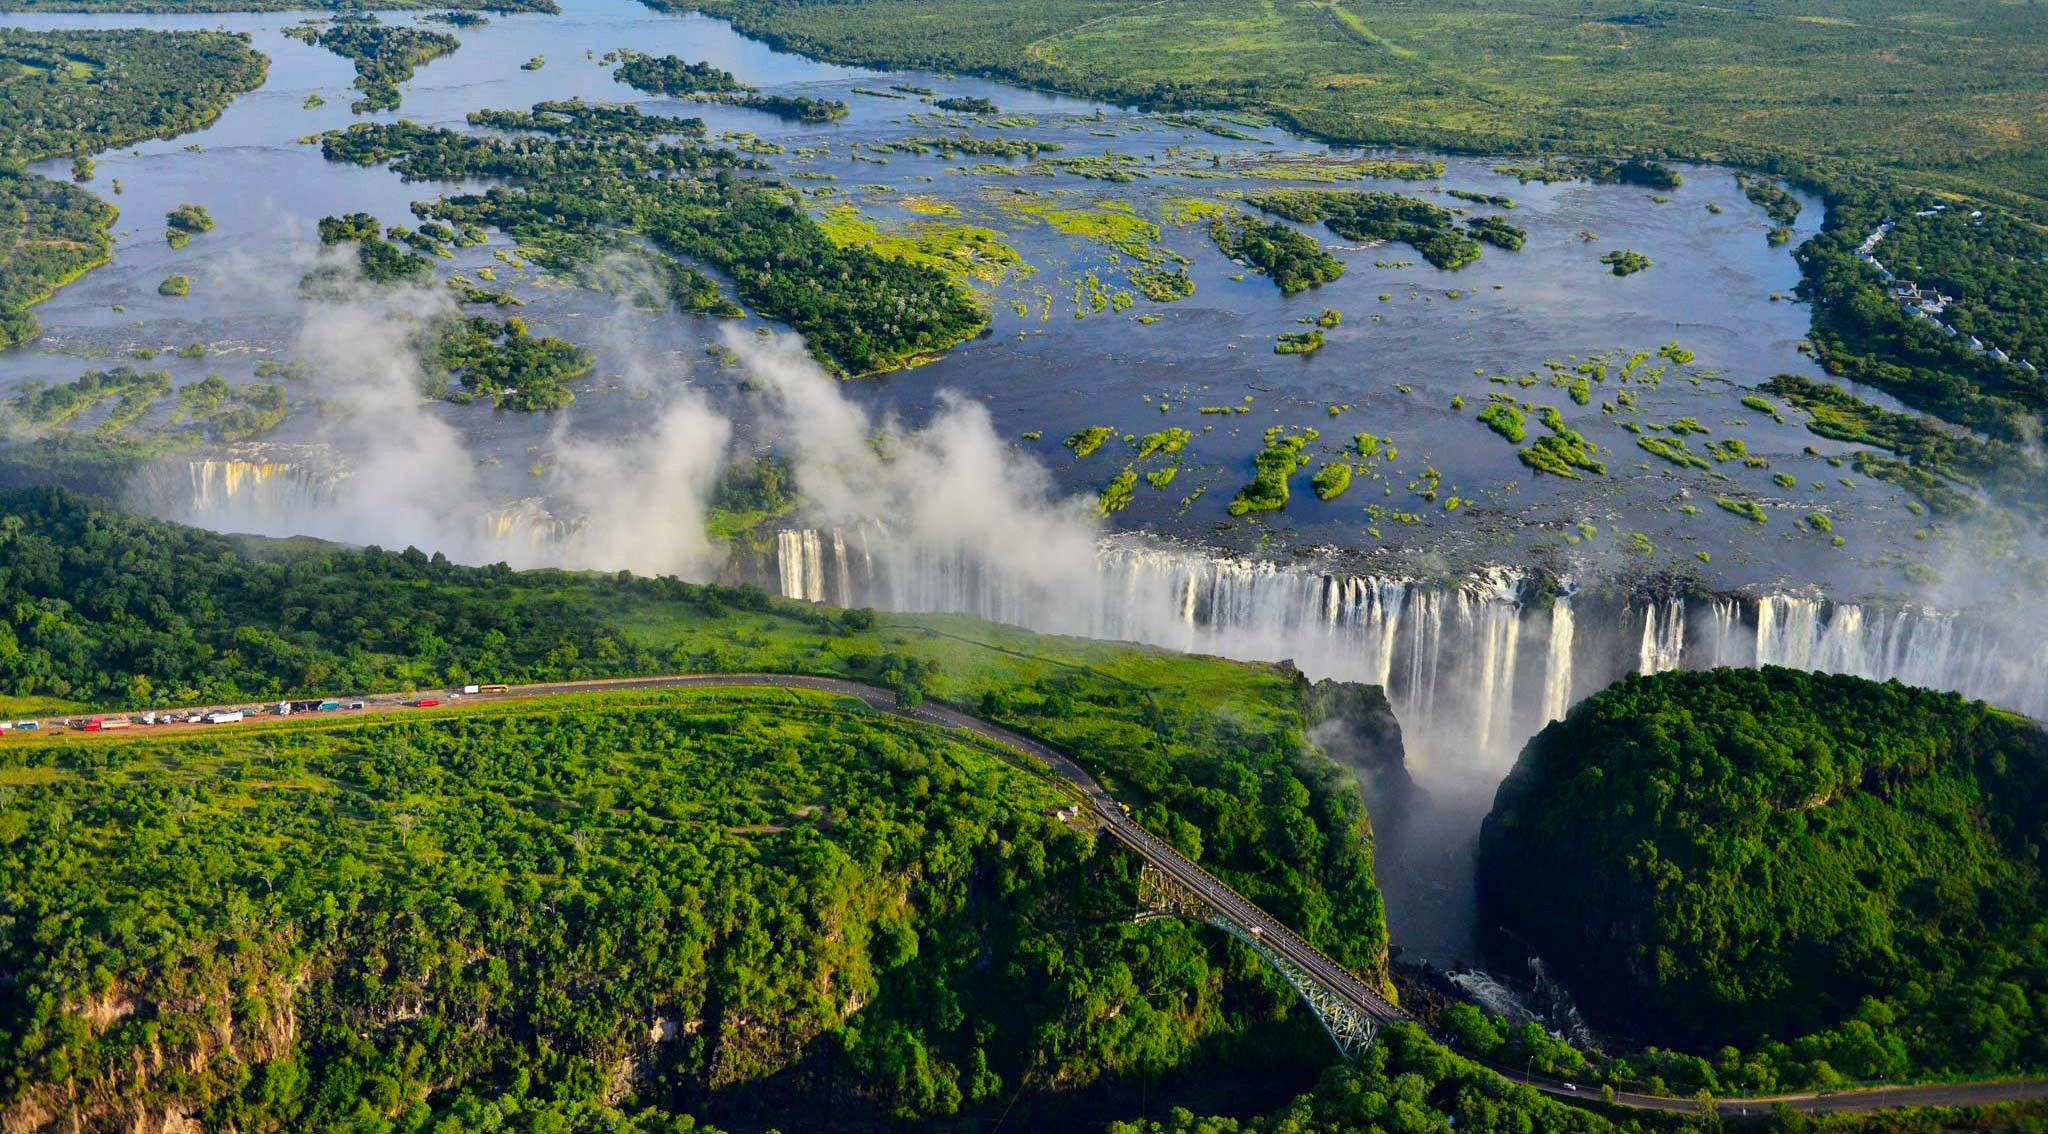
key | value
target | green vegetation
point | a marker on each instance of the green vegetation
(1991, 265)
(1272, 467)
(109, 608)
(1162, 286)
(947, 145)
(1672, 449)
(1949, 464)
(1497, 232)
(502, 362)
(968, 105)
(1747, 509)
(1504, 417)
(66, 93)
(190, 219)
(1843, 867)
(39, 408)
(1118, 493)
(1331, 480)
(1169, 441)
(1090, 439)
(1851, 105)
(174, 286)
(1364, 216)
(1563, 452)
(385, 55)
(1292, 259)
(1771, 197)
(860, 312)
(53, 233)
(569, 117)
(382, 261)
(1873, 89)
(1298, 342)
(673, 76)
(1625, 262)
(1494, 199)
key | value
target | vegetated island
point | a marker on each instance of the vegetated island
(71, 92)
(671, 75)
(1625, 262)
(1290, 258)
(384, 55)
(1372, 216)
(1839, 877)
(588, 177)
(1882, 137)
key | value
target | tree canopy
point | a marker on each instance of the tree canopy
(1843, 873)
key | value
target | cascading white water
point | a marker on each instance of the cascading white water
(1663, 644)
(1451, 655)
(1557, 665)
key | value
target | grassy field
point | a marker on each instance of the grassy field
(1942, 94)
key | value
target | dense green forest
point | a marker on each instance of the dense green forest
(1353, 215)
(583, 189)
(103, 608)
(1994, 263)
(1291, 258)
(1861, 332)
(766, 908)
(674, 76)
(500, 361)
(1837, 877)
(385, 55)
(74, 92)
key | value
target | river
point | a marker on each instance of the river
(1345, 587)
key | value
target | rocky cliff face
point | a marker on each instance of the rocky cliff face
(1354, 725)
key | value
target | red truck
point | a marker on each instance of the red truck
(426, 702)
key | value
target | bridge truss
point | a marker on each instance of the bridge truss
(1347, 1025)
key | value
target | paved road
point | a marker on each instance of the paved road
(1220, 899)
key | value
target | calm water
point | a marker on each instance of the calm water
(1711, 290)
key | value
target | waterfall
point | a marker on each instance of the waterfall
(1557, 666)
(251, 488)
(1452, 655)
(1663, 644)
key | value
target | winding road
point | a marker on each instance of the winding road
(1219, 898)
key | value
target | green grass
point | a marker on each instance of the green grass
(1873, 84)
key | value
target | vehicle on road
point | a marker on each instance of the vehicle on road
(426, 702)
(234, 717)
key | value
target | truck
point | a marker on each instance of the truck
(27, 726)
(234, 717)
(106, 724)
(426, 702)
(329, 706)
(496, 688)
(472, 688)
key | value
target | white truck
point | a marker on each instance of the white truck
(224, 718)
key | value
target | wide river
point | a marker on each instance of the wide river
(1412, 340)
